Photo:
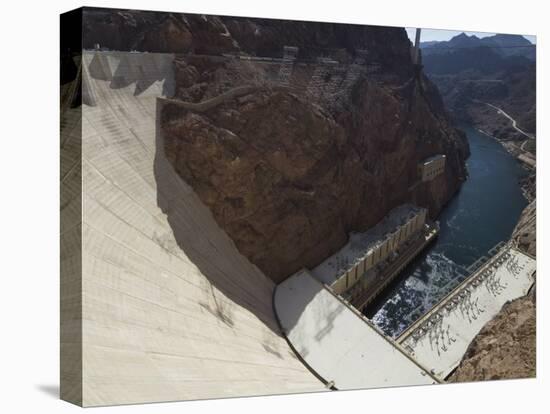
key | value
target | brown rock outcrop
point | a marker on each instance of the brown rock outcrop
(525, 233)
(287, 176)
(159, 32)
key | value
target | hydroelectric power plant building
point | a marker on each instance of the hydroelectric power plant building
(432, 167)
(363, 261)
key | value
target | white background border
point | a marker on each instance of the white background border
(29, 216)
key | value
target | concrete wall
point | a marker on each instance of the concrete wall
(70, 208)
(171, 310)
(376, 255)
(337, 342)
(71, 255)
(432, 167)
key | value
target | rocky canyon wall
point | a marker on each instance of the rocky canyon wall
(289, 165)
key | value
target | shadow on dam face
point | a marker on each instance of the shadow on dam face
(133, 69)
(230, 279)
(168, 296)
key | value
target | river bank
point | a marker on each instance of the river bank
(497, 203)
(517, 151)
(473, 222)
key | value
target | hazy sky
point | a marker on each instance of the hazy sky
(437, 34)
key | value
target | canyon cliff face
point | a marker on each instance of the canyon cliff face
(291, 157)
(525, 233)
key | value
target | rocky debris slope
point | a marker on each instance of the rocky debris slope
(150, 31)
(289, 168)
(505, 348)
(525, 233)
(529, 186)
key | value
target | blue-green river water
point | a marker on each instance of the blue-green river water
(483, 213)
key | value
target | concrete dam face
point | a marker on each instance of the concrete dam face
(170, 309)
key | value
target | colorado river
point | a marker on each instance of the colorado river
(483, 213)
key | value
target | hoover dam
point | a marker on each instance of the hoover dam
(171, 310)
(158, 302)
